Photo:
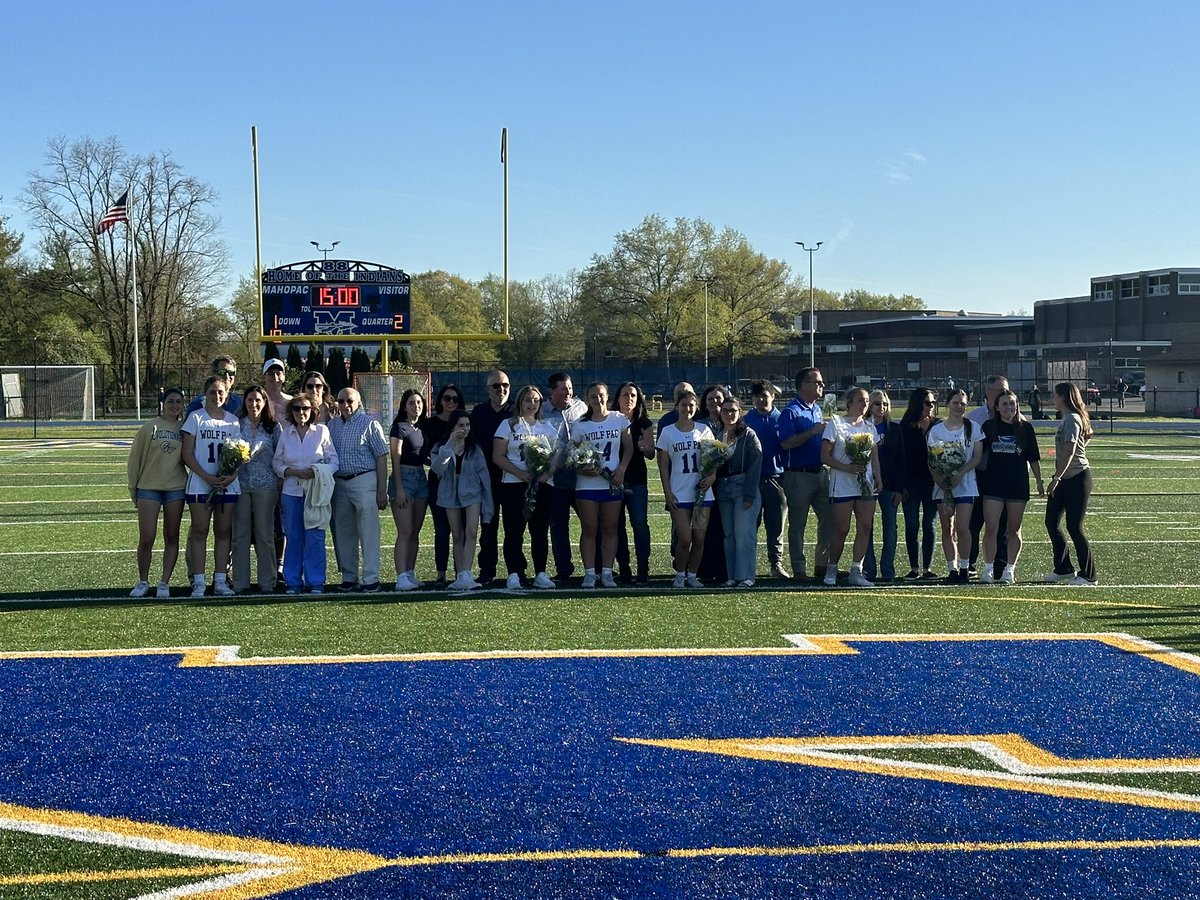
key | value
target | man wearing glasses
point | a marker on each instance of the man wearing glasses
(485, 421)
(805, 480)
(563, 410)
(223, 367)
(359, 491)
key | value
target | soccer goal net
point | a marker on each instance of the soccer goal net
(48, 392)
(381, 393)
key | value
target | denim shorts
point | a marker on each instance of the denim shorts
(415, 481)
(163, 497)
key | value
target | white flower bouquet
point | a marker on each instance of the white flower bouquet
(538, 454)
(946, 458)
(858, 447)
(233, 455)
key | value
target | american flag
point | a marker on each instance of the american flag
(118, 212)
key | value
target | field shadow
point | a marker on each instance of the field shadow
(1178, 627)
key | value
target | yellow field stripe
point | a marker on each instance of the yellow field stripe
(118, 875)
(270, 867)
(800, 645)
(830, 753)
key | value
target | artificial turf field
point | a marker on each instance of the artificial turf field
(918, 740)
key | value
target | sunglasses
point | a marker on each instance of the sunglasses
(314, 387)
(226, 373)
(345, 400)
(502, 386)
(450, 398)
(302, 408)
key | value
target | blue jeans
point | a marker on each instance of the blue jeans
(304, 557)
(561, 503)
(637, 508)
(741, 529)
(887, 559)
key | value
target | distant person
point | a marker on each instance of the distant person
(956, 515)
(409, 488)
(527, 426)
(1070, 489)
(274, 375)
(1011, 449)
(920, 509)
(436, 428)
(845, 489)
(688, 497)
(561, 410)
(465, 492)
(764, 419)
(631, 402)
(805, 480)
(254, 514)
(225, 368)
(737, 495)
(360, 492)
(205, 432)
(157, 479)
(304, 455)
(1035, 402)
(485, 421)
(994, 387)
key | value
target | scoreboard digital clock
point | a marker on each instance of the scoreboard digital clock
(335, 298)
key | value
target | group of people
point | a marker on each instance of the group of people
(273, 472)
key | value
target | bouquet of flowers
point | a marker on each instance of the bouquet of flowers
(537, 453)
(585, 458)
(712, 454)
(858, 448)
(946, 458)
(233, 455)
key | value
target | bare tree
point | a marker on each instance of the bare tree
(180, 261)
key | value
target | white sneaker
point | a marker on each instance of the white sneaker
(163, 591)
(416, 582)
(729, 583)
(831, 578)
(693, 581)
(198, 588)
(1080, 581)
(589, 581)
(606, 580)
(543, 582)
(141, 589)
(458, 584)
(514, 582)
(222, 589)
(405, 582)
(987, 575)
(746, 583)
(1008, 576)
(679, 581)
(857, 579)
(1055, 578)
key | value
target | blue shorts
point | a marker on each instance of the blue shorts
(704, 504)
(163, 497)
(872, 498)
(415, 481)
(604, 495)
(203, 498)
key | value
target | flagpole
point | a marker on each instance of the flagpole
(504, 159)
(257, 222)
(137, 367)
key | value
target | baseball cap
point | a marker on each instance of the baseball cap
(273, 362)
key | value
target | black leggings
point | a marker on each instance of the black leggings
(919, 516)
(512, 506)
(1070, 498)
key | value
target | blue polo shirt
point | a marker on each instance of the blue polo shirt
(796, 418)
(766, 426)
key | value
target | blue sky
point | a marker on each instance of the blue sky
(978, 156)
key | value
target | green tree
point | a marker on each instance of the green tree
(335, 371)
(641, 292)
(447, 304)
(180, 262)
(295, 362)
(315, 361)
(544, 322)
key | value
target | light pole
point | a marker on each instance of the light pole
(325, 250)
(708, 280)
(812, 309)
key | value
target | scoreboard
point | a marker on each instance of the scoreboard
(331, 298)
